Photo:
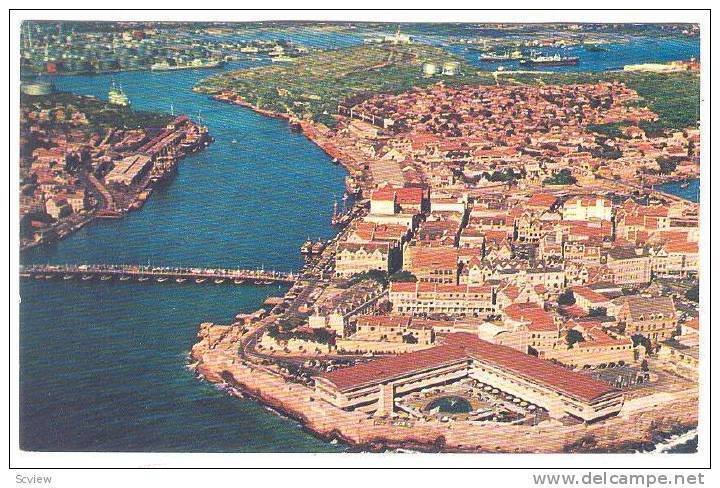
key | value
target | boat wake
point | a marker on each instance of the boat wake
(674, 442)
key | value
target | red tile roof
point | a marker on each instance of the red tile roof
(461, 347)
(539, 319)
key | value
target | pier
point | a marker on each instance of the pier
(155, 274)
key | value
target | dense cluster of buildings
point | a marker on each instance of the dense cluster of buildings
(101, 47)
(72, 170)
(497, 217)
(445, 136)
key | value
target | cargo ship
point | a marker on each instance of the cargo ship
(194, 64)
(497, 58)
(554, 60)
(281, 59)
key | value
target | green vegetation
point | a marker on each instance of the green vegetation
(641, 340)
(566, 298)
(322, 336)
(375, 275)
(573, 337)
(668, 165)
(612, 130)
(693, 293)
(99, 114)
(675, 97)
(597, 312)
(403, 276)
(314, 85)
(562, 177)
(409, 339)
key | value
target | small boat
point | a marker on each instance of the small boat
(219, 281)
(49, 277)
(180, 280)
(199, 280)
(143, 278)
(68, 277)
(39, 277)
(87, 277)
(269, 282)
(105, 277)
(124, 278)
(162, 279)
(684, 184)
(234, 141)
(238, 281)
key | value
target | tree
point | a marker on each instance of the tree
(693, 293)
(573, 336)
(644, 365)
(667, 165)
(597, 312)
(403, 276)
(566, 298)
(409, 339)
(563, 177)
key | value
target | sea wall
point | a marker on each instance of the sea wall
(216, 359)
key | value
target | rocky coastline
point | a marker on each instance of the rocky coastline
(215, 357)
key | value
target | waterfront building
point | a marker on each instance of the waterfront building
(353, 258)
(57, 207)
(436, 298)
(129, 170)
(373, 386)
(391, 200)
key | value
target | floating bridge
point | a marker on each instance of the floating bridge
(140, 273)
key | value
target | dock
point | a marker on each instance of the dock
(155, 274)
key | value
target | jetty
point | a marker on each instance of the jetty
(155, 274)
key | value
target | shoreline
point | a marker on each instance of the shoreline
(215, 358)
(141, 195)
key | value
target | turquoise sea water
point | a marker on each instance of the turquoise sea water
(103, 363)
(692, 192)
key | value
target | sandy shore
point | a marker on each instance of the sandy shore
(641, 421)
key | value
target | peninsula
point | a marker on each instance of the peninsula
(84, 159)
(507, 278)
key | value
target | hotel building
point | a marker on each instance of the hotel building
(373, 386)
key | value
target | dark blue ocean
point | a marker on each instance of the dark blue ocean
(103, 364)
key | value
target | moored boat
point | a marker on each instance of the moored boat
(87, 277)
(199, 280)
(219, 281)
(105, 277)
(180, 280)
(68, 277)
